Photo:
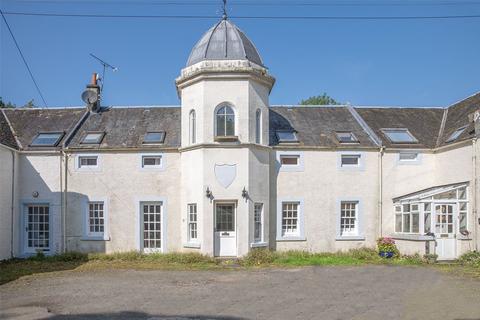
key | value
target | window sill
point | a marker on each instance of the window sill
(460, 236)
(226, 138)
(350, 238)
(193, 245)
(292, 238)
(95, 238)
(412, 237)
(258, 244)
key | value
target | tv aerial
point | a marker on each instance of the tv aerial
(105, 66)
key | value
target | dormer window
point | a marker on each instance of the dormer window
(225, 122)
(346, 137)
(93, 138)
(47, 139)
(399, 135)
(154, 137)
(454, 136)
(286, 136)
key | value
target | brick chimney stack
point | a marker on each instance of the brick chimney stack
(93, 86)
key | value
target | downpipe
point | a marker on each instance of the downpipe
(12, 208)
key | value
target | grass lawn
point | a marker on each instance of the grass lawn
(10, 270)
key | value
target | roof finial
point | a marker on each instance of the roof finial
(224, 7)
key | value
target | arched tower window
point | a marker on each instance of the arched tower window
(192, 127)
(258, 127)
(225, 121)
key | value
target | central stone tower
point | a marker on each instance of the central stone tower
(224, 91)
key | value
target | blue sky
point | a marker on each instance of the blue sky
(372, 62)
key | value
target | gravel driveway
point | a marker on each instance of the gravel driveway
(370, 292)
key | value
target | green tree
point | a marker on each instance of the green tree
(29, 104)
(323, 99)
(6, 105)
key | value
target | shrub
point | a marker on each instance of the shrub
(411, 259)
(259, 256)
(471, 258)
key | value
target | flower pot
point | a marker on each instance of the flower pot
(386, 254)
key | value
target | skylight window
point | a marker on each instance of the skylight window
(399, 135)
(47, 139)
(346, 137)
(154, 137)
(286, 136)
(456, 134)
(93, 138)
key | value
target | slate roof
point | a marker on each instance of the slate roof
(6, 135)
(126, 127)
(316, 126)
(27, 123)
(224, 41)
(458, 116)
(423, 123)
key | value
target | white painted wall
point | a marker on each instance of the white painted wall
(6, 191)
(40, 173)
(124, 184)
(321, 186)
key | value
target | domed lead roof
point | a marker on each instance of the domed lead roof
(224, 41)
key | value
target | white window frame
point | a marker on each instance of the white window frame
(138, 202)
(258, 126)
(150, 168)
(291, 168)
(428, 199)
(359, 166)
(416, 161)
(357, 235)
(80, 168)
(215, 122)
(261, 222)
(191, 240)
(192, 127)
(87, 235)
(300, 236)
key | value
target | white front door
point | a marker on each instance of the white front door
(151, 226)
(225, 236)
(37, 228)
(445, 231)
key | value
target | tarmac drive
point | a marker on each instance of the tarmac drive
(367, 292)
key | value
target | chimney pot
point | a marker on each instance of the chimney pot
(94, 79)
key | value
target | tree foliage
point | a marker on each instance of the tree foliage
(9, 105)
(323, 99)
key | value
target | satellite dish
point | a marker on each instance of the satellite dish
(89, 96)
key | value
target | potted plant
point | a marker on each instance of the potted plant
(386, 247)
(430, 258)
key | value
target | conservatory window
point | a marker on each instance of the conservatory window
(427, 217)
(407, 218)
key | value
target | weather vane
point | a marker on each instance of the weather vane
(224, 7)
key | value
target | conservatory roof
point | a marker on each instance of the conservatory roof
(429, 192)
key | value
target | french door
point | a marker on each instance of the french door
(37, 228)
(151, 233)
(445, 231)
(225, 235)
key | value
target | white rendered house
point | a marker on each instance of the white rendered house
(226, 172)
